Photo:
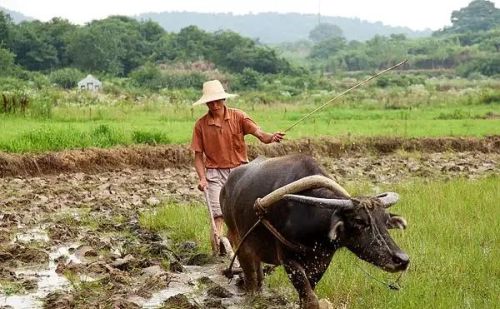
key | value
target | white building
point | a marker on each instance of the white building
(90, 83)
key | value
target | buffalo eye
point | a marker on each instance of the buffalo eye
(360, 223)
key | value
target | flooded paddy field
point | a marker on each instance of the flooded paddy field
(71, 234)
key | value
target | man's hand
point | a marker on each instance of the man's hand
(202, 185)
(277, 137)
(268, 138)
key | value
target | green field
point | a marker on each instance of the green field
(101, 126)
(452, 240)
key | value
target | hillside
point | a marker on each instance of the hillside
(16, 16)
(274, 27)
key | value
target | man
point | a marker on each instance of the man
(218, 144)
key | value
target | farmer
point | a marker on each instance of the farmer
(219, 146)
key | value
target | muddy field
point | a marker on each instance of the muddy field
(70, 237)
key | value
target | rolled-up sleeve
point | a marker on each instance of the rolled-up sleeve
(248, 125)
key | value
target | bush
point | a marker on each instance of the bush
(489, 97)
(148, 76)
(151, 77)
(6, 62)
(41, 108)
(13, 103)
(66, 78)
(487, 65)
(150, 138)
(104, 136)
(249, 79)
(185, 80)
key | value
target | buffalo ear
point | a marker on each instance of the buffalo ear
(336, 227)
(396, 222)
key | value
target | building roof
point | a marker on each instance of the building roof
(89, 79)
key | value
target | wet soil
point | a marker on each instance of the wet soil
(70, 237)
(177, 156)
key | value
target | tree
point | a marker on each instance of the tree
(58, 31)
(31, 45)
(66, 78)
(116, 45)
(479, 15)
(191, 43)
(93, 50)
(151, 31)
(6, 61)
(5, 25)
(325, 31)
(327, 48)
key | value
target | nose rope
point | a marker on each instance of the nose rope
(372, 203)
(395, 285)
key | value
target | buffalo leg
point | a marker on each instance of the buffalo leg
(315, 271)
(249, 265)
(260, 275)
(297, 274)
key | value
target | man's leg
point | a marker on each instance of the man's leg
(219, 224)
(215, 184)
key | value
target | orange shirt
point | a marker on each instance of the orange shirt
(223, 144)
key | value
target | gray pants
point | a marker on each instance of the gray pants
(216, 178)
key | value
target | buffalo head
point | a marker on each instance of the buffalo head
(361, 225)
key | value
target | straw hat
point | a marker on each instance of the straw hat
(213, 91)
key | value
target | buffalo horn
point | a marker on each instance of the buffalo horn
(319, 201)
(388, 198)
(306, 183)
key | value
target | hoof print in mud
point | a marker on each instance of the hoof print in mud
(206, 281)
(214, 303)
(179, 301)
(58, 300)
(176, 267)
(218, 292)
(200, 259)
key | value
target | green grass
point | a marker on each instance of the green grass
(108, 126)
(11, 288)
(452, 240)
(453, 243)
(180, 222)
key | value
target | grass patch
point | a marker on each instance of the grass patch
(72, 127)
(452, 240)
(150, 138)
(180, 222)
(453, 243)
(11, 288)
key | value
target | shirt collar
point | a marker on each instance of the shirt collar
(211, 119)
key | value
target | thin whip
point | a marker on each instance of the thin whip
(338, 96)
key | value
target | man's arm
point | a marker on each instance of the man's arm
(268, 138)
(199, 166)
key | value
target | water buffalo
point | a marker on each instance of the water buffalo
(309, 217)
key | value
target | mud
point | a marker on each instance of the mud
(71, 239)
(175, 156)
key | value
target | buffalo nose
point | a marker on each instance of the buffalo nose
(401, 259)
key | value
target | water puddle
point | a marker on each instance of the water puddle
(47, 281)
(187, 283)
(38, 234)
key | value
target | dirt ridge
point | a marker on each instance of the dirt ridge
(93, 160)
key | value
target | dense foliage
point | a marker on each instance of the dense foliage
(154, 59)
(471, 46)
(117, 45)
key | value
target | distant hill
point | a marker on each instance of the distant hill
(16, 16)
(274, 28)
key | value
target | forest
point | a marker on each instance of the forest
(121, 46)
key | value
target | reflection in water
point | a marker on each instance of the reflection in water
(47, 279)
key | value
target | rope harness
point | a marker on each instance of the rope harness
(367, 204)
